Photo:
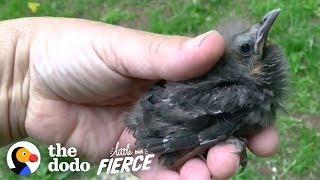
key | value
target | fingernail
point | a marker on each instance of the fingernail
(197, 41)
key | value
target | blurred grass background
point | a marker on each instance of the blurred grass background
(297, 30)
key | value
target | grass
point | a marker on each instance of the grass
(297, 30)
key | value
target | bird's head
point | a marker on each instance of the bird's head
(250, 56)
(247, 49)
(247, 46)
(23, 155)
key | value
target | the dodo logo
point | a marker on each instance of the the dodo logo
(23, 158)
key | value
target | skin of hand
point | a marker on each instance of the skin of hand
(71, 80)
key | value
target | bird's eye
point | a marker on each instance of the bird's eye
(264, 19)
(246, 49)
(24, 153)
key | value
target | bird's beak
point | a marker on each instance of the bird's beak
(265, 26)
(33, 158)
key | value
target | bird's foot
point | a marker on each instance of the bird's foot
(241, 144)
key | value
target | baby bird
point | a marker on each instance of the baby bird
(237, 97)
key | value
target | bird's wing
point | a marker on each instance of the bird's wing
(214, 99)
(186, 117)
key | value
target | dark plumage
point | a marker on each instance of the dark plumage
(239, 96)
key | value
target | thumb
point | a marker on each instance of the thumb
(77, 59)
(154, 56)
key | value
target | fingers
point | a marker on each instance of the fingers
(153, 56)
(158, 173)
(165, 174)
(195, 169)
(89, 62)
(223, 161)
(265, 143)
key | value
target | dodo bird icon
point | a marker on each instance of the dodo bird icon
(20, 156)
(23, 159)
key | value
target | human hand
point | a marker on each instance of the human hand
(77, 77)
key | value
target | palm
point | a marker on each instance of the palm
(93, 126)
(91, 129)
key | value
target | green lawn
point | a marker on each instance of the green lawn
(297, 31)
